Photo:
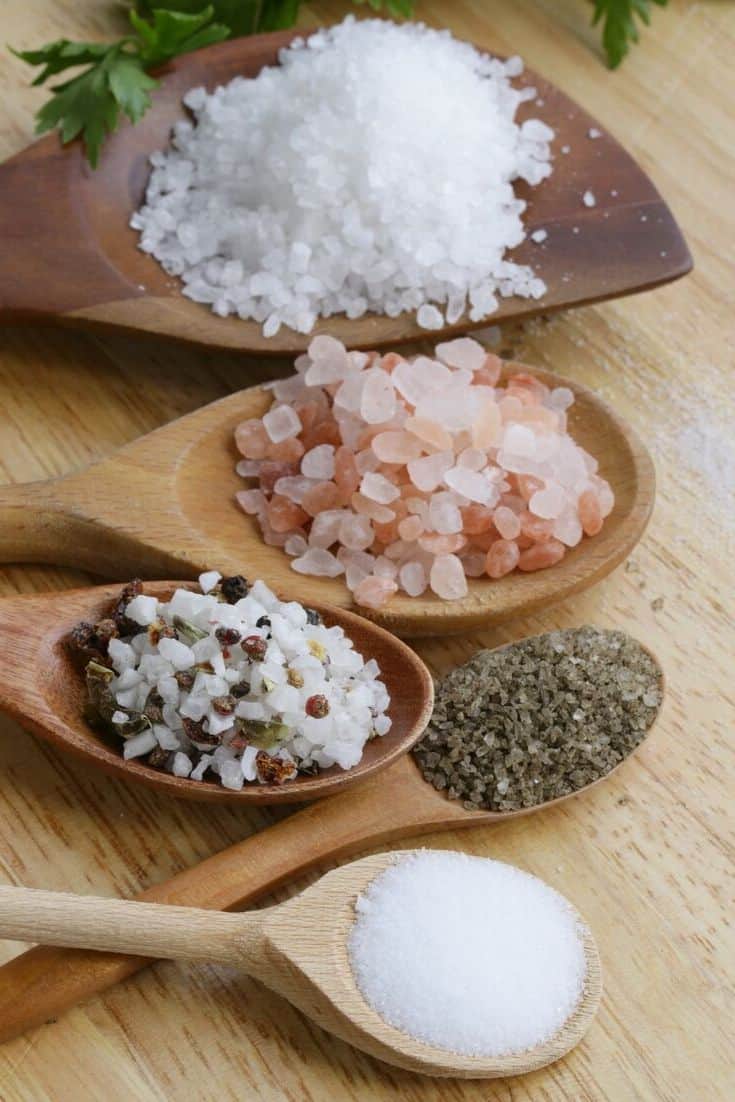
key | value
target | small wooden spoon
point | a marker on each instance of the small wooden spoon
(396, 803)
(42, 688)
(164, 506)
(298, 949)
(70, 257)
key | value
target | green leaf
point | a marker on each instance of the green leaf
(241, 17)
(84, 105)
(619, 27)
(172, 33)
(400, 9)
(60, 55)
(131, 85)
(277, 15)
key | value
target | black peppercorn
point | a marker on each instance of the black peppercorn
(233, 589)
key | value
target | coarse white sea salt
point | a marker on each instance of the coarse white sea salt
(471, 955)
(372, 170)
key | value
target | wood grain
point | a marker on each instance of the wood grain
(647, 857)
(61, 215)
(299, 949)
(150, 510)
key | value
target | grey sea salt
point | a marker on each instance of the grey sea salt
(539, 719)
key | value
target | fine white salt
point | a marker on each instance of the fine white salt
(471, 955)
(589, 199)
(372, 170)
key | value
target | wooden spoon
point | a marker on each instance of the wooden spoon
(69, 255)
(42, 688)
(299, 949)
(164, 506)
(396, 803)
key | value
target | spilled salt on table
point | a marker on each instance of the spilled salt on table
(415, 474)
(471, 955)
(372, 170)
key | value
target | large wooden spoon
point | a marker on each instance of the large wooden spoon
(391, 805)
(70, 257)
(299, 949)
(41, 687)
(164, 506)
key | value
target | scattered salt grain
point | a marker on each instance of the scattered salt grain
(539, 236)
(588, 199)
(321, 187)
(468, 954)
(593, 133)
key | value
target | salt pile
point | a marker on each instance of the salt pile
(467, 954)
(372, 171)
(417, 474)
(233, 682)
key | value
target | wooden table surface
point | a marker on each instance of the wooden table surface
(646, 857)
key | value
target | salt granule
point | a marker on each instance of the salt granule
(468, 954)
(321, 186)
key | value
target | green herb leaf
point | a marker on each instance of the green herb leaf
(172, 33)
(60, 55)
(401, 9)
(619, 27)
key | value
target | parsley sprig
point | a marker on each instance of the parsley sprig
(115, 80)
(619, 28)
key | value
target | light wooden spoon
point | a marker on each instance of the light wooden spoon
(164, 506)
(299, 949)
(41, 686)
(391, 805)
(70, 257)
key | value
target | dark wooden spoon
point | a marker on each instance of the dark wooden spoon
(41, 687)
(69, 256)
(394, 804)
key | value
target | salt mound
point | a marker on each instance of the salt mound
(371, 171)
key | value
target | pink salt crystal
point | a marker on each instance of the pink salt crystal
(437, 544)
(471, 484)
(356, 532)
(510, 408)
(251, 501)
(285, 515)
(294, 487)
(474, 563)
(399, 549)
(430, 432)
(536, 528)
(548, 503)
(372, 509)
(502, 557)
(295, 545)
(462, 352)
(427, 473)
(280, 422)
(385, 567)
(288, 451)
(378, 488)
(528, 485)
(390, 361)
(325, 528)
(329, 362)
(444, 516)
(605, 496)
(447, 578)
(326, 432)
(346, 474)
(567, 528)
(410, 528)
(489, 373)
(396, 447)
(374, 592)
(484, 540)
(319, 462)
(270, 473)
(358, 565)
(541, 556)
(519, 440)
(412, 577)
(486, 428)
(251, 439)
(414, 379)
(507, 522)
(247, 468)
(270, 536)
(378, 402)
(320, 563)
(476, 519)
(366, 460)
(529, 383)
(321, 496)
(473, 459)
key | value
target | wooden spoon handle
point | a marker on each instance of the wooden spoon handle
(36, 527)
(85, 922)
(43, 982)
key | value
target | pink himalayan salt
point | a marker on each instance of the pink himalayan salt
(447, 577)
(544, 469)
(280, 422)
(462, 352)
(507, 522)
(502, 557)
(374, 592)
(378, 401)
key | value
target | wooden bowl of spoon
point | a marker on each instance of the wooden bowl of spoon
(57, 215)
(299, 949)
(41, 686)
(164, 506)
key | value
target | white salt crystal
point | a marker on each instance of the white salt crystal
(379, 488)
(378, 400)
(140, 744)
(593, 133)
(120, 717)
(142, 609)
(548, 503)
(318, 562)
(588, 199)
(412, 577)
(281, 422)
(230, 773)
(462, 352)
(471, 484)
(178, 654)
(428, 317)
(319, 462)
(539, 236)
(208, 580)
(427, 472)
(447, 577)
(182, 765)
(471, 955)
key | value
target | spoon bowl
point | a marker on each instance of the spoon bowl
(41, 686)
(299, 949)
(164, 506)
(58, 215)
